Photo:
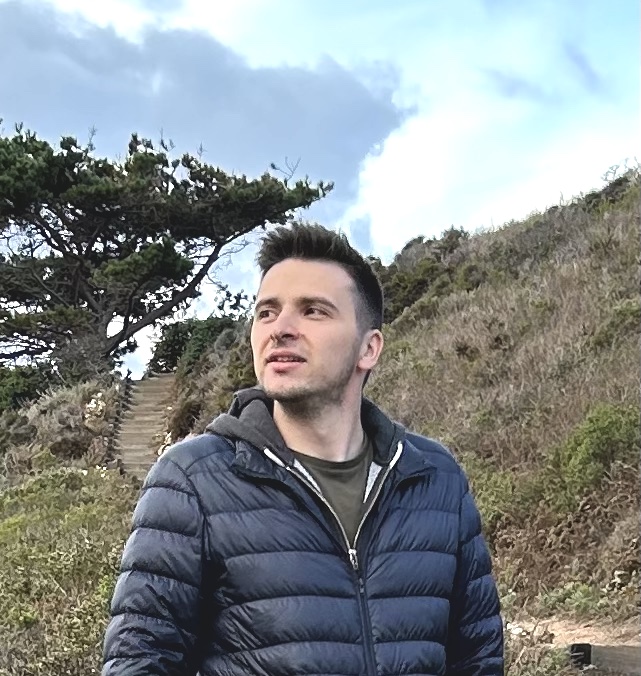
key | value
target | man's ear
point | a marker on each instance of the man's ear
(371, 349)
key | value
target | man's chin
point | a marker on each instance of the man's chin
(286, 393)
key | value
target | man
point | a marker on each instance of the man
(305, 532)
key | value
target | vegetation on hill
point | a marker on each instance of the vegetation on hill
(519, 350)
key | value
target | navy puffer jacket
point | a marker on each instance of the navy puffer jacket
(235, 565)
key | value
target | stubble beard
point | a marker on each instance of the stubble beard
(307, 401)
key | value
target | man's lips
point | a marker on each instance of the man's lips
(284, 358)
(284, 362)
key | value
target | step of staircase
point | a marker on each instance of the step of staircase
(139, 457)
(149, 408)
(142, 415)
(141, 429)
(155, 395)
(129, 437)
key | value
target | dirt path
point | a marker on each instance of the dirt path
(563, 632)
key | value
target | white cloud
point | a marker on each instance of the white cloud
(125, 17)
(227, 21)
(451, 167)
(574, 163)
(402, 187)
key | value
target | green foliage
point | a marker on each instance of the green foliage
(615, 191)
(576, 597)
(608, 434)
(170, 347)
(155, 263)
(22, 384)
(494, 491)
(95, 240)
(469, 276)
(182, 344)
(420, 268)
(223, 368)
(61, 538)
(203, 337)
(531, 659)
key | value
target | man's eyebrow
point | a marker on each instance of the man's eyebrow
(265, 301)
(318, 300)
(303, 300)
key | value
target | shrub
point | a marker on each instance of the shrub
(574, 597)
(171, 346)
(469, 276)
(493, 490)
(421, 267)
(204, 336)
(208, 388)
(20, 385)
(609, 433)
(182, 344)
(63, 425)
(529, 657)
(15, 429)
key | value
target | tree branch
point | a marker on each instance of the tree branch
(130, 306)
(162, 310)
(28, 351)
(46, 289)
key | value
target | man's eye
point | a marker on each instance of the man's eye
(263, 314)
(314, 310)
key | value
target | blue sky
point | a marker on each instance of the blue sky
(426, 114)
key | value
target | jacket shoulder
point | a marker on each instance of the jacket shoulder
(193, 453)
(436, 453)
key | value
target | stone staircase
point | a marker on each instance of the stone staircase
(140, 433)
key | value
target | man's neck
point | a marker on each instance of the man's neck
(333, 433)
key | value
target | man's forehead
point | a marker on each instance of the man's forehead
(294, 277)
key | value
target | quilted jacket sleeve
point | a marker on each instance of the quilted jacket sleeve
(475, 645)
(156, 602)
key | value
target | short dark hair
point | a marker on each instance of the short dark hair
(317, 243)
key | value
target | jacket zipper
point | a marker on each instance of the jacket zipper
(370, 656)
(372, 501)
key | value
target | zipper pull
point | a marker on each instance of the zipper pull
(353, 559)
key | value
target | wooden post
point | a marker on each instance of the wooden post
(620, 659)
(624, 659)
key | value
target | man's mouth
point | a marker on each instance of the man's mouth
(284, 358)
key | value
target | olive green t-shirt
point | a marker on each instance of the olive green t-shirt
(342, 484)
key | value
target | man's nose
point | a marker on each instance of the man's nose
(285, 326)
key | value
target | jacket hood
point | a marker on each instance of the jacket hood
(250, 419)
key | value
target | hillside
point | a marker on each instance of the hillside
(519, 350)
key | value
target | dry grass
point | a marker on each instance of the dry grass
(509, 369)
(506, 373)
(69, 425)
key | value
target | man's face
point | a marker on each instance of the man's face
(305, 339)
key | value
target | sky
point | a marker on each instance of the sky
(424, 114)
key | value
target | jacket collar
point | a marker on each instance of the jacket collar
(252, 460)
